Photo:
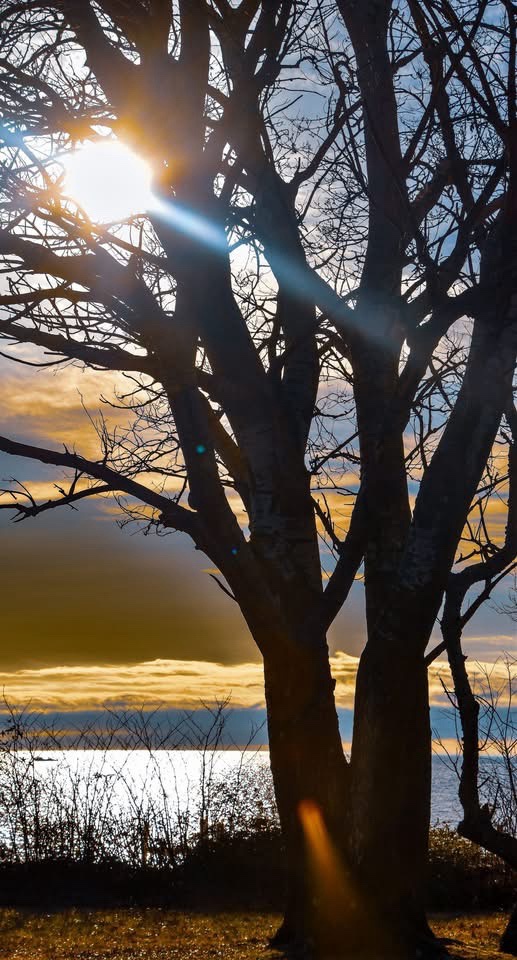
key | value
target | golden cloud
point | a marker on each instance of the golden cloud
(187, 683)
(179, 683)
(51, 404)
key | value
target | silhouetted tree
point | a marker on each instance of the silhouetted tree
(486, 719)
(327, 286)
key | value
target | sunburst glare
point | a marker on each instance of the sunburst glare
(108, 181)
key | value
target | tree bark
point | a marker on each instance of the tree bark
(310, 775)
(391, 789)
(509, 938)
(355, 838)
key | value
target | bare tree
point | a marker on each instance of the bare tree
(362, 159)
(488, 792)
(486, 718)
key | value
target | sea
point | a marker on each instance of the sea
(191, 782)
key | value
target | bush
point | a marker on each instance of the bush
(94, 834)
(463, 875)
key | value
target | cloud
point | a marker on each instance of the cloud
(181, 683)
(482, 644)
(187, 683)
(48, 404)
(484, 677)
(78, 590)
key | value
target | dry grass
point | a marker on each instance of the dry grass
(473, 935)
(133, 935)
(160, 934)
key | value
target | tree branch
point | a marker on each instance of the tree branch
(68, 499)
(110, 358)
(171, 514)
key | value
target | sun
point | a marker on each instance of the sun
(108, 181)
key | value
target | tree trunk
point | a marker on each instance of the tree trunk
(509, 937)
(355, 848)
(477, 824)
(310, 776)
(391, 790)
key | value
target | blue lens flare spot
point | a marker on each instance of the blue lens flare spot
(200, 448)
(233, 551)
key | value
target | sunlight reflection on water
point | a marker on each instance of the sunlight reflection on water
(179, 775)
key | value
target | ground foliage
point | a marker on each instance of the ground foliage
(157, 934)
(238, 874)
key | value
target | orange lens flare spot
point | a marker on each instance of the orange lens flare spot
(330, 879)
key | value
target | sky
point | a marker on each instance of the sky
(94, 614)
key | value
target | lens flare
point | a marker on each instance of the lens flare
(332, 893)
(108, 181)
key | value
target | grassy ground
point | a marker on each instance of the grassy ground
(167, 935)
(472, 935)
